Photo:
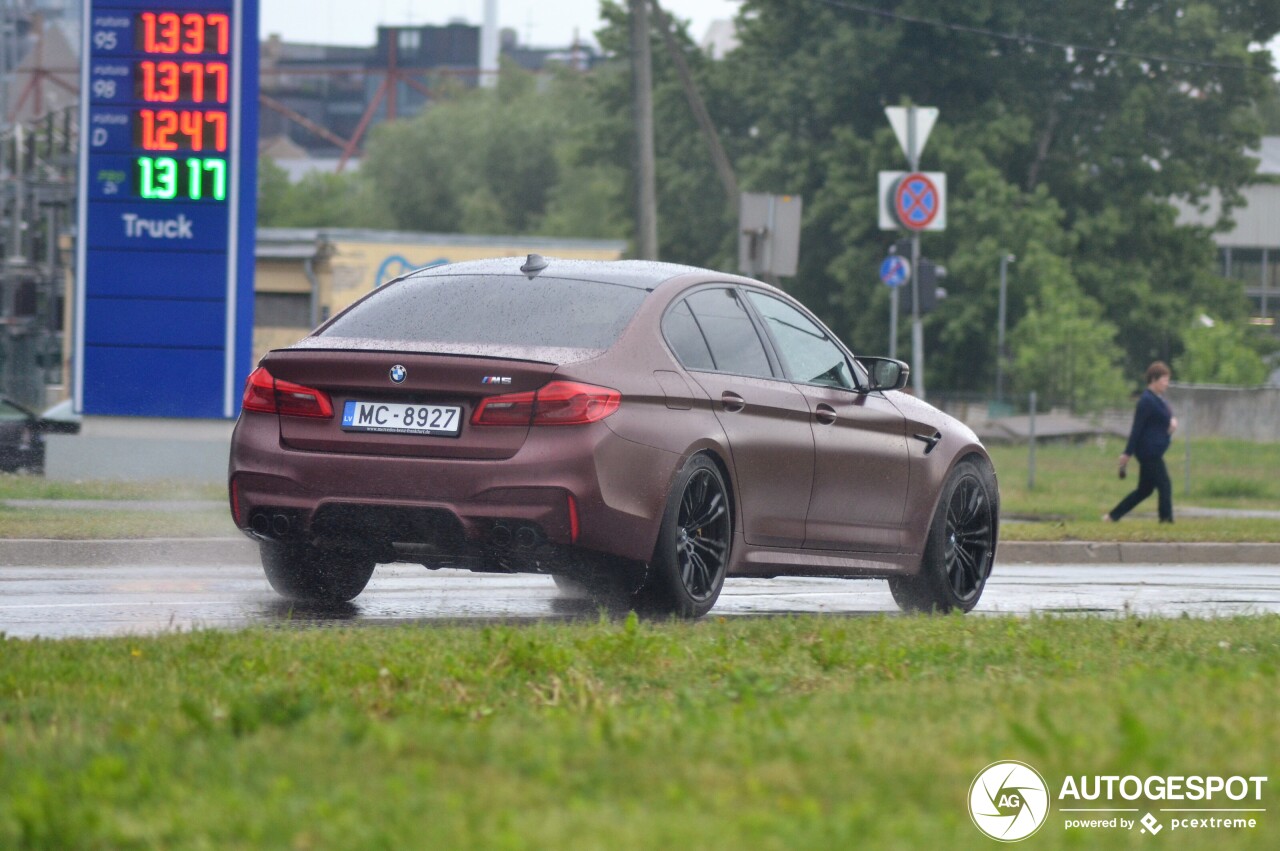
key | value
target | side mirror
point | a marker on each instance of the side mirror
(886, 373)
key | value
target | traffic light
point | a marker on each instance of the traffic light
(927, 275)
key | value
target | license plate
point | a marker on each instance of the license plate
(402, 419)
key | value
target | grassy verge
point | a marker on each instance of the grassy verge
(61, 524)
(1076, 482)
(785, 733)
(23, 486)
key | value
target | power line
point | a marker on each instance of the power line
(1022, 38)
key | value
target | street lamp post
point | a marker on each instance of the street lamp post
(1005, 260)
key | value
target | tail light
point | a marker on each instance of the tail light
(558, 403)
(265, 393)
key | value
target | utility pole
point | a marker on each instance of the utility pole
(724, 169)
(642, 100)
(1005, 260)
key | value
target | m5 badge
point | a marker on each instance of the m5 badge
(496, 379)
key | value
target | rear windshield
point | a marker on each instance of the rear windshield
(501, 310)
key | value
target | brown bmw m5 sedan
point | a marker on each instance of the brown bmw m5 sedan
(634, 429)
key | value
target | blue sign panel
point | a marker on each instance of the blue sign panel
(895, 271)
(164, 271)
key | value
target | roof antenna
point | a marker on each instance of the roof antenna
(533, 265)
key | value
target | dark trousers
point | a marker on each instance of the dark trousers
(1152, 476)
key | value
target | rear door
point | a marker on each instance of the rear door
(765, 418)
(860, 472)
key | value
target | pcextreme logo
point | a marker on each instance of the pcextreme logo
(1009, 801)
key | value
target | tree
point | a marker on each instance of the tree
(1065, 351)
(1065, 125)
(1218, 352)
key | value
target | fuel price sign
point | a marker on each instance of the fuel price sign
(167, 176)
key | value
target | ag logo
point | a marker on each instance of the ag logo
(1008, 801)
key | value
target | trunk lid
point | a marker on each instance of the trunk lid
(445, 380)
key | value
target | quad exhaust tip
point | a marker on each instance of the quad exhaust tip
(520, 536)
(270, 525)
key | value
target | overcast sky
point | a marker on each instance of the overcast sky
(540, 23)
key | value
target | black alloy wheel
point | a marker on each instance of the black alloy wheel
(692, 555)
(969, 538)
(702, 536)
(960, 547)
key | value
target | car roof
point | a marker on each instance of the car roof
(641, 274)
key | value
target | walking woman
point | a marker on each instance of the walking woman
(1153, 427)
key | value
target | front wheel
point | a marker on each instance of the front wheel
(960, 547)
(692, 554)
(310, 574)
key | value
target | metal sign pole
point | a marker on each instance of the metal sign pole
(917, 329)
(893, 322)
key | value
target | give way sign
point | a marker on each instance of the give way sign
(915, 200)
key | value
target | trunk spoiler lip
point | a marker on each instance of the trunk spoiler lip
(549, 355)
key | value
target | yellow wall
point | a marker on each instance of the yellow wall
(359, 266)
(352, 266)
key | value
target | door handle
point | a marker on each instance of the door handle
(824, 414)
(732, 402)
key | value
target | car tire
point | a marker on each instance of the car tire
(960, 546)
(309, 574)
(695, 539)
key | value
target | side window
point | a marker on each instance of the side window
(735, 345)
(685, 338)
(809, 356)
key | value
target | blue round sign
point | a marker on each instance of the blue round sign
(895, 270)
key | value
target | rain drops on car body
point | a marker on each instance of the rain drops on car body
(641, 431)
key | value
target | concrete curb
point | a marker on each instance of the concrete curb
(39, 552)
(1096, 552)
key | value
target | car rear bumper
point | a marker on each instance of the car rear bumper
(567, 486)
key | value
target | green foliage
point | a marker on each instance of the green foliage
(1061, 155)
(1219, 353)
(495, 161)
(317, 200)
(1065, 351)
(807, 732)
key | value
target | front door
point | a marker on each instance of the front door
(861, 471)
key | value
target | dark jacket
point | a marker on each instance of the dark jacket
(1149, 437)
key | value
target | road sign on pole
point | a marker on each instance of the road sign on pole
(911, 206)
(918, 201)
(912, 125)
(895, 271)
(889, 184)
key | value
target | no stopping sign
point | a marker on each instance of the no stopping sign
(916, 200)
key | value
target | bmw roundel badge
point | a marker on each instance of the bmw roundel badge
(398, 373)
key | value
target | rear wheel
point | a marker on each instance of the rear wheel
(307, 573)
(960, 548)
(692, 553)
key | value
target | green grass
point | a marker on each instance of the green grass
(23, 486)
(1076, 482)
(807, 732)
(62, 524)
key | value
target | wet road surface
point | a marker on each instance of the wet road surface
(61, 602)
